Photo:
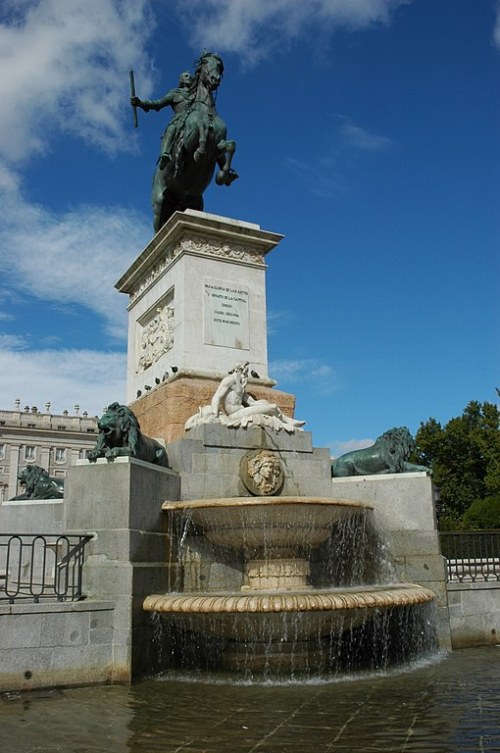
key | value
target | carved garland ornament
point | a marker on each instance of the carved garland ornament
(237, 252)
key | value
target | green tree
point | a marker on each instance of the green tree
(464, 456)
(483, 513)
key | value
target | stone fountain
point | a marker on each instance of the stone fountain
(251, 558)
(280, 620)
(262, 583)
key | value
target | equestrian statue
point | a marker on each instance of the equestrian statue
(194, 142)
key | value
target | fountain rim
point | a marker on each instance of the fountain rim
(193, 504)
(262, 602)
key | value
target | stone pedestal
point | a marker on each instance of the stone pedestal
(197, 299)
(129, 556)
(276, 574)
(208, 461)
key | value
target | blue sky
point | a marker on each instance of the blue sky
(367, 133)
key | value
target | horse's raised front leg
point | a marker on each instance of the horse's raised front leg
(201, 150)
(226, 175)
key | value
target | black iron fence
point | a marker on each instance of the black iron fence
(471, 556)
(35, 567)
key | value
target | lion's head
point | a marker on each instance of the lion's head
(29, 478)
(118, 426)
(399, 443)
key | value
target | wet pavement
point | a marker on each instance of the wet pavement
(451, 705)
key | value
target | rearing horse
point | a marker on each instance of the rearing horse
(199, 145)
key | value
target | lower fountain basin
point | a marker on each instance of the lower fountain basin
(274, 634)
(324, 609)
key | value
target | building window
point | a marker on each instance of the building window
(60, 455)
(83, 454)
(2, 451)
(29, 452)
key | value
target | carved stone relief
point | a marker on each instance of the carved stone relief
(156, 338)
(261, 471)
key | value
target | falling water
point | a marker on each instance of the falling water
(282, 591)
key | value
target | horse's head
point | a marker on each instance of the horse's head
(209, 70)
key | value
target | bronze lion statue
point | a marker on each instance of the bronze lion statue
(388, 455)
(120, 434)
(39, 485)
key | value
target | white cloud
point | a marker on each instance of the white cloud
(254, 28)
(310, 371)
(323, 172)
(68, 66)
(276, 319)
(360, 138)
(496, 30)
(339, 448)
(84, 252)
(11, 341)
(63, 377)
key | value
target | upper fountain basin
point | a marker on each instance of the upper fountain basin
(268, 522)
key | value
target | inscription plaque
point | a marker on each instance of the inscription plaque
(226, 315)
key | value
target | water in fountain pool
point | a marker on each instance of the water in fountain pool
(448, 706)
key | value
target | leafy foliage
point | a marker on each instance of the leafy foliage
(482, 514)
(464, 456)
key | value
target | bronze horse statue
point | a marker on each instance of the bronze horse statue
(197, 142)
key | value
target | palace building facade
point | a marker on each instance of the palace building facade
(29, 436)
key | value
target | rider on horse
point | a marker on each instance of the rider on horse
(193, 144)
(178, 99)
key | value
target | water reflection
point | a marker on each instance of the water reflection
(450, 706)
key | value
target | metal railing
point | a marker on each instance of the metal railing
(42, 566)
(471, 556)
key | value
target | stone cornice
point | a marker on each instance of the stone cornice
(199, 234)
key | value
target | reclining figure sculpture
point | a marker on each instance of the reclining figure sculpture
(232, 406)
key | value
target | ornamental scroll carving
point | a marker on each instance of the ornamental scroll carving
(157, 337)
